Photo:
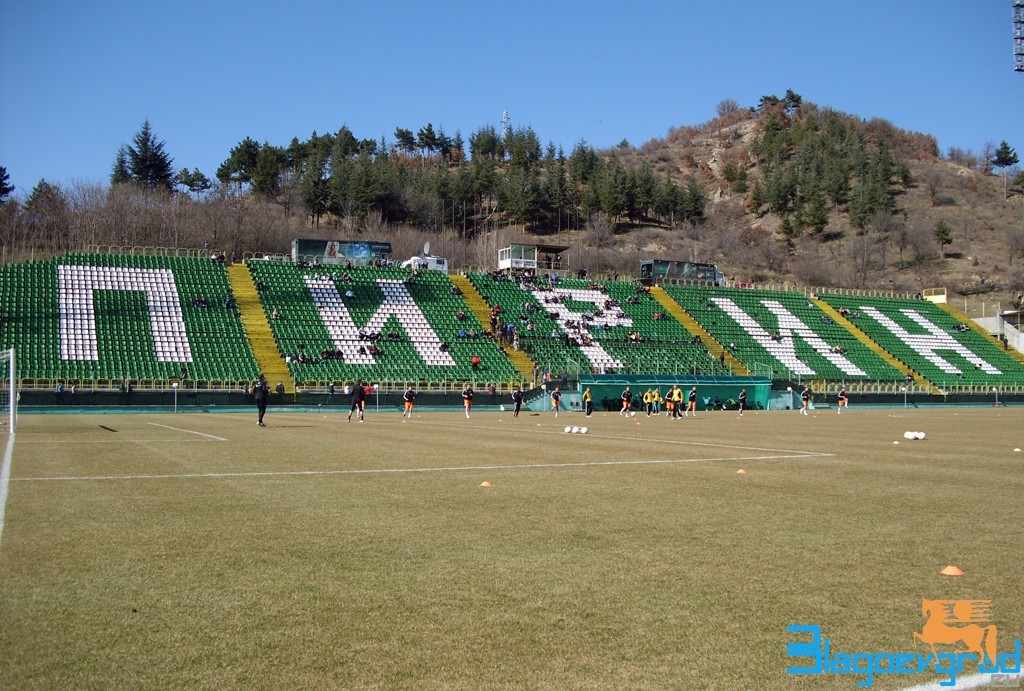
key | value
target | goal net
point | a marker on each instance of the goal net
(8, 392)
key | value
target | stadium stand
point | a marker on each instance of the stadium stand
(578, 326)
(781, 334)
(381, 324)
(932, 342)
(109, 320)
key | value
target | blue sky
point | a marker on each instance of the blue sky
(78, 79)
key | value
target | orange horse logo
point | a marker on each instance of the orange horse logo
(957, 621)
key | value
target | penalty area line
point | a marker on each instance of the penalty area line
(189, 431)
(392, 471)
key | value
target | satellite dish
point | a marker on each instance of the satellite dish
(426, 248)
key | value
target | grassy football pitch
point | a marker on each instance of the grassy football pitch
(200, 551)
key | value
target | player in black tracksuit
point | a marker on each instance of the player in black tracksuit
(260, 394)
(517, 399)
(358, 400)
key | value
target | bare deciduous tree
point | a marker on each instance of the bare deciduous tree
(1014, 243)
(726, 107)
(600, 236)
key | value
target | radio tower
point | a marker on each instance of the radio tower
(506, 124)
(1018, 35)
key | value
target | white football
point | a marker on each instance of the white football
(909, 435)
(567, 429)
(583, 430)
(632, 413)
(575, 430)
(919, 435)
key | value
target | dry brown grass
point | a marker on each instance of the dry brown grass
(320, 554)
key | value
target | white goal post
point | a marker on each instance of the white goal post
(9, 391)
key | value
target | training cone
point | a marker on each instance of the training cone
(952, 570)
(741, 471)
(485, 483)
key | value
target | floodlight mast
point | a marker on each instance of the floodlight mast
(1018, 35)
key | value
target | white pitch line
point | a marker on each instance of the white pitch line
(385, 471)
(22, 442)
(973, 681)
(5, 477)
(189, 431)
(681, 442)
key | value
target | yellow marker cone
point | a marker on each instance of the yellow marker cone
(741, 471)
(952, 570)
(485, 483)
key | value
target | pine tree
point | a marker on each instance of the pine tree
(241, 164)
(1005, 157)
(944, 236)
(194, 181)
(148, 163)
(119, 173)
(5, 185)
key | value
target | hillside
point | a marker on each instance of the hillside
(890, 244)
(784, 192)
